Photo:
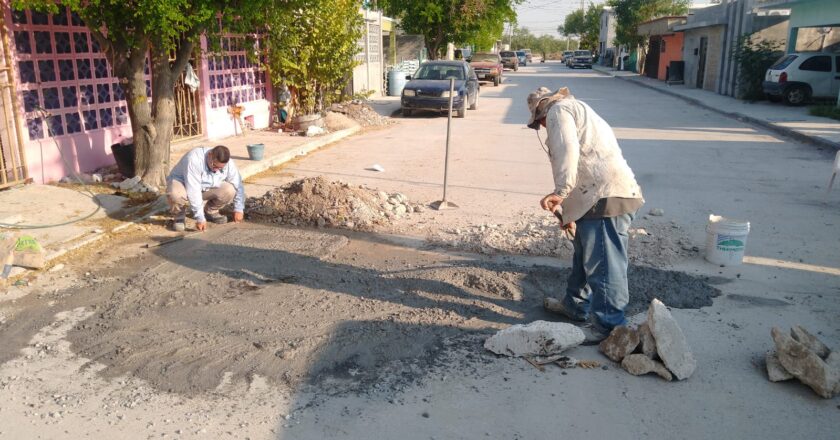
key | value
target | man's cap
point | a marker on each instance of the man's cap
(539, 102)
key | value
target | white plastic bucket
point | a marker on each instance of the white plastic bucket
(726, 240)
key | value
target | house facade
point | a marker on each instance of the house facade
(664, 45)
(606, 38)
(814, 24)
(67, 108)
(712, 33)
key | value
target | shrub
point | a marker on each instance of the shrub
(753, 61)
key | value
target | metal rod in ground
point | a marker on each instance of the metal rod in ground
(444, 204)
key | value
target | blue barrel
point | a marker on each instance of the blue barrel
(396, 82)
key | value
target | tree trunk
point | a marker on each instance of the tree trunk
(139, 110)
(153, 124)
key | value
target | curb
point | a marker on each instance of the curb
(784, 131)
(246, 172)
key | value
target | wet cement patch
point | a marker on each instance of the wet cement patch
(306, 308)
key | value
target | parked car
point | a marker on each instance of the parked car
(567, 56)
(428, 89)
(523, 57)
(798, 77)
(488, 67)
(509, 60)
(528, 56)
(581, 58)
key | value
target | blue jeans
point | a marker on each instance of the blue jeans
(597, 287)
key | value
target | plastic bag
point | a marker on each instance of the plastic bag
(190, 78)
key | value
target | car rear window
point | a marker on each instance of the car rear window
(508, 54)
(783, 62)
(491, 57)
(819, 63)
(582, 53)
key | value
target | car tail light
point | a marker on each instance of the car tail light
(783, 78)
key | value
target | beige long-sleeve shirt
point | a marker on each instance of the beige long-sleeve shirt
(586, 160)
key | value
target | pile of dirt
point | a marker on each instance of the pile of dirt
(360, 112)
(315, 201)
(338, 121)
(652, 243)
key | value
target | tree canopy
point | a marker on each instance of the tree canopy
(455, 21)
(630, 13)
(586, 25)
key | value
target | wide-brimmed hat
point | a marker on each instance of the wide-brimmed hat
(539, 102)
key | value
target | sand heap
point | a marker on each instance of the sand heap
(360, 112)
(315, 201)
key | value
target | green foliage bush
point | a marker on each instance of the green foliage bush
(754, 58)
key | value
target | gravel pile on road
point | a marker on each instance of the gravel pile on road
(652, 243)
(315, 201)
(360, 112)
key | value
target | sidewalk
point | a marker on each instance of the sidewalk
(78, 221)
(794, 122)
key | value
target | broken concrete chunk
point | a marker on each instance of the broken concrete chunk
(539, 338)
(805, 338)
(805, 365)
(657, 212)
(646, 341)
(775, 371)
(639, 364)
(621, 342)
(670, 341)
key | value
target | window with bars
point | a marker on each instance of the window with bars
(62, 71)
(233, 78)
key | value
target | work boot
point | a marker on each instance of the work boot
(179, 223)
(554, 305)
(216, 218)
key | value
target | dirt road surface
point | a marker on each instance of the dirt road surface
(273, 331)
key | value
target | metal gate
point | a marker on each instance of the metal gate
(12, 154)
(187, 116)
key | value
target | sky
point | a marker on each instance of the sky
(542, 17)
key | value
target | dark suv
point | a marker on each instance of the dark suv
(510, 60)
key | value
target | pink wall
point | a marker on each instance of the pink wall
(232, 79)
(59, 68)
(673, 52)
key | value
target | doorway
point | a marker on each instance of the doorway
(701, 65)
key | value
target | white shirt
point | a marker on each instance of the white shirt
(192, 170)
(586, 160)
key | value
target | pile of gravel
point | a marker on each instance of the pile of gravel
(315, 201)
(360, 112)
(652, 243)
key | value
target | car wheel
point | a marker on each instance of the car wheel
(496, 81)
(796, 95)
(461, 112)
(406, 112)
(474, 105)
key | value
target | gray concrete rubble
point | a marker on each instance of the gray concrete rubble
(646, 341)
(810, 341)
(670, 342)
(801, 360)
(621, 342)
(539, 338)
(659, 338)
(638, 364)
(775, 371)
